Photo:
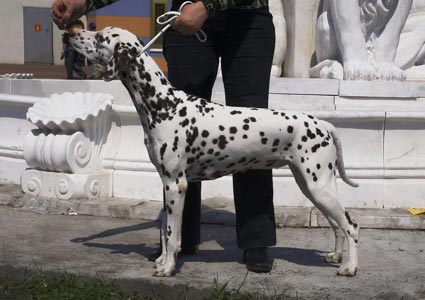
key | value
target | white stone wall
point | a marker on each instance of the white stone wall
(382, 125)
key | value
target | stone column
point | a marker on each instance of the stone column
(300, 16)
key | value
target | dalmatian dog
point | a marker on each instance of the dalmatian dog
(190, 139)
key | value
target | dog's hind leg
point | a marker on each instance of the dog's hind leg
(325, 198)
(336, 255)
(175, 191)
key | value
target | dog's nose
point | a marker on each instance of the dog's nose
(71, 32)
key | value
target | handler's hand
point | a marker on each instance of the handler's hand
(66, 11)
(191, 19)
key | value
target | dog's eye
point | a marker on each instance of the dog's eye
(99, 38)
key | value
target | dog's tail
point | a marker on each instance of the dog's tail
(340, 160)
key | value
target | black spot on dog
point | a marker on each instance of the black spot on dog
(162, 150)
(315, 147)
(348, 218)
(319, 132)
(175, 143)
(310, 134)
(242, 160)
(205, 133)
(185, 123)
(290, 129)
(222, 141)
(183, 112)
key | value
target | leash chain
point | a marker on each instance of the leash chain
(166, 19)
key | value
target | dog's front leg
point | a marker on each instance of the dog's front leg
(175, 192)
(160, 261)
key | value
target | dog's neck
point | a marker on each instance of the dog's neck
(155, 98)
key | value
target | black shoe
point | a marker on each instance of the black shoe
(257, 260)
(185, 251)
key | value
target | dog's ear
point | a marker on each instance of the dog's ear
(118, 63)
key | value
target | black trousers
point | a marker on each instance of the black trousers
(73, 62)
(244, 40)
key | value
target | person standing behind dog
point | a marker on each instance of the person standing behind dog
(94, 67)
(241, 33)
(74, 61)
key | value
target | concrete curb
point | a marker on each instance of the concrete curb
(214, 211)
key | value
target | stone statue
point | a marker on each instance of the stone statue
(294, 22)
(276, 9)
(411, 50)
(358, 39)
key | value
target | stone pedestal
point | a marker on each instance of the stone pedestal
(66, 151)
(67, 186)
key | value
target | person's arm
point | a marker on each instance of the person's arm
(66, 11)
(96, 4)
(193, 16)
(215, 6)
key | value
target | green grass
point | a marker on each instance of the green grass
(63, 287)
(69, 287)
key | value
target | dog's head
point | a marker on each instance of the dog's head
(111, 47)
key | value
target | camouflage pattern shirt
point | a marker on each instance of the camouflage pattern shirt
(213, 6)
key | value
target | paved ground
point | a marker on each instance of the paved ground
(392, 263)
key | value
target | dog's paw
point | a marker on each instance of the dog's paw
(158, 273)
(347, 270)
(163, 273)
(160, 261)
(333, 257)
